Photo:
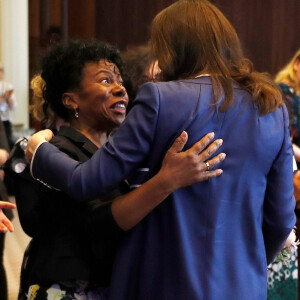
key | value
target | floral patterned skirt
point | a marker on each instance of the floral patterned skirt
(78, 290)
(283, 280)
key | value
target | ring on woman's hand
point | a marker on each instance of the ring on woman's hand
(207, 165)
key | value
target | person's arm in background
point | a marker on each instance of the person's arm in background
(296, 180)
(10, 98)
(5, 223)
(279, 217)
(296, 151)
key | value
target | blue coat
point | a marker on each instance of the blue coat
(214, 239)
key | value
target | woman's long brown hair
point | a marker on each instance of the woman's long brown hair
(191, 37)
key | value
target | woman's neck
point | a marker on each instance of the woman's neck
(98, 137)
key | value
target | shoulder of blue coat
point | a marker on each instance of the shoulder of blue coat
(171, 90)
(186, 91)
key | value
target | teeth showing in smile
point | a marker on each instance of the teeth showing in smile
(120, 105)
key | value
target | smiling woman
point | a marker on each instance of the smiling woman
(100, 102)
(81, 83)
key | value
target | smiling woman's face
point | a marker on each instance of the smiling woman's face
(102, 99)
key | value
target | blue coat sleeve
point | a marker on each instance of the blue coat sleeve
(279, 204)
(112, 163)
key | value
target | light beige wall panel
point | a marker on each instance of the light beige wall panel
(14, 35)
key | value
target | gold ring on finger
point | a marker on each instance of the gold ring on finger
(207, 165)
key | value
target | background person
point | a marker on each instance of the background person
(7, 205)
(282, 279)
(41, 110)
(288, 80)
(5, 225)
(5, 216)
(214, 239)
(7, 105)
(140, 68)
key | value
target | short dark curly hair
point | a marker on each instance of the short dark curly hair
(62, 68)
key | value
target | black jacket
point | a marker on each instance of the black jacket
(71, 240)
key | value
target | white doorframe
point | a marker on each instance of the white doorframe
(15, 44)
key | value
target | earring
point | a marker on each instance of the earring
(76, 114)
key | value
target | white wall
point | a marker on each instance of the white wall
(14, 43)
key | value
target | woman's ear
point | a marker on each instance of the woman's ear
(69, 101)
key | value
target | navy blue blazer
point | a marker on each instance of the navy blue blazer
(214, 239)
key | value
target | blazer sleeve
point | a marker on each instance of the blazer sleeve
(28, 198)
(111, 163)
(279, 217)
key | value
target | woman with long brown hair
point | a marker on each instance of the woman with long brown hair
(212, 240)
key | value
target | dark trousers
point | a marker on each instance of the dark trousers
(3, 283)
